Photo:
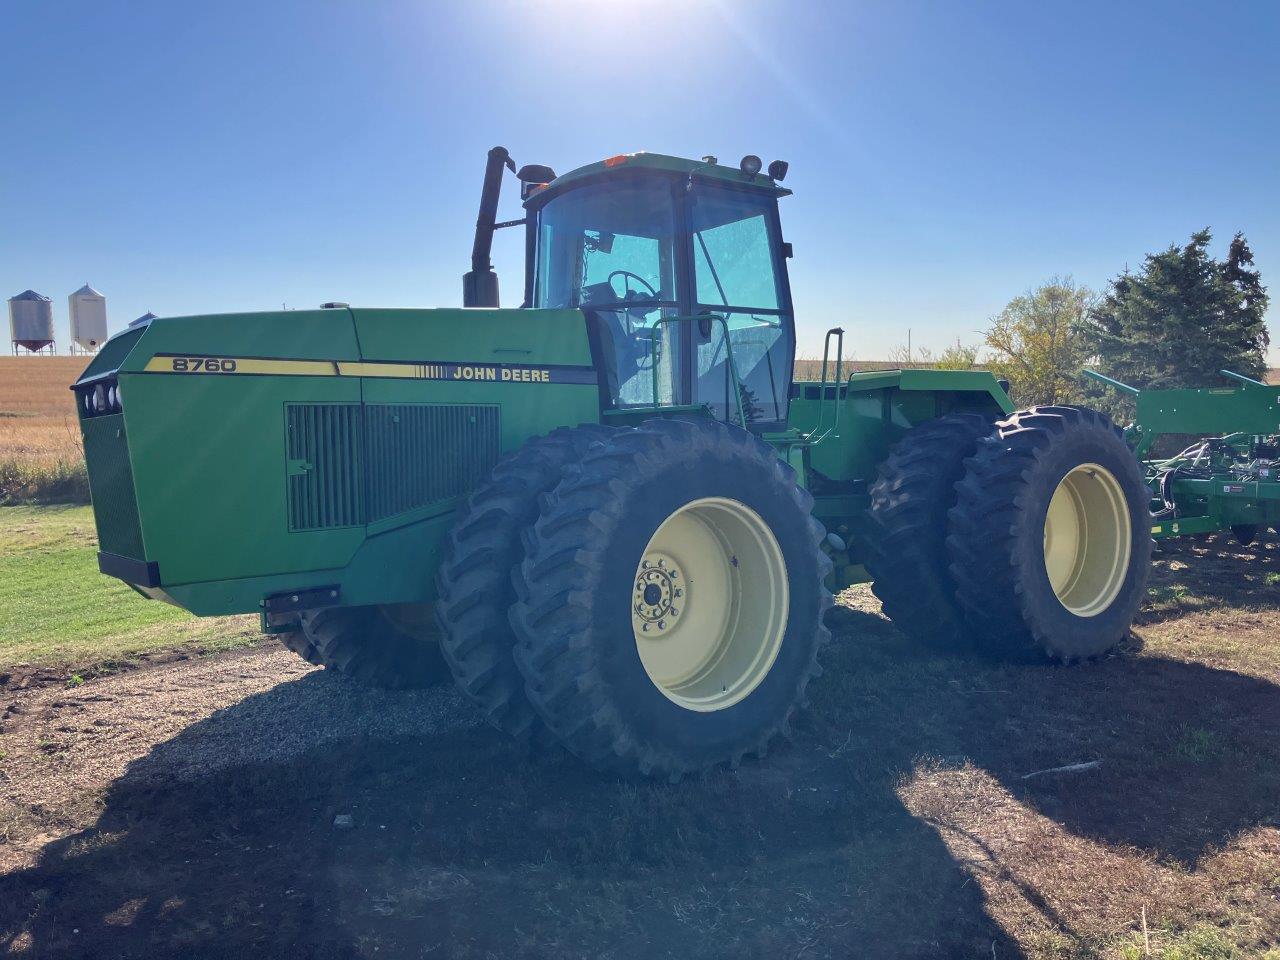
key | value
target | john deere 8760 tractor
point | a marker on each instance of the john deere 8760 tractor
(611, 514)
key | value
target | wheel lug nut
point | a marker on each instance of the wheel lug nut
(662, 624)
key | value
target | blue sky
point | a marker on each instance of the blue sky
(945, 157)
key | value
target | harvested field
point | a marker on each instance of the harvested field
(187, 810)
(41, 458)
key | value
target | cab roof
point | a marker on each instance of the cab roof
(657, 163)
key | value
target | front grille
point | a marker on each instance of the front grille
(347, 468)
(115, 504)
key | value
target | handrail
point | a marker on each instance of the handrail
(1242, 378)
(838, 333)
(1122, 387)
(728, 350)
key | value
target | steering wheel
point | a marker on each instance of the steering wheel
(626, 289)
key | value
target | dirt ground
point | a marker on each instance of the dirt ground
(187, 809)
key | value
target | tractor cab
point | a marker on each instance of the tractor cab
(680, 268)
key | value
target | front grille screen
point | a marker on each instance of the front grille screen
(349, 465)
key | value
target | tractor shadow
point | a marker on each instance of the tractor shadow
(462, 846)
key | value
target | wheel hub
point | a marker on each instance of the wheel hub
(659, 593)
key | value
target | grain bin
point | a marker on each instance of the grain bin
(31, 323)
(88, 310)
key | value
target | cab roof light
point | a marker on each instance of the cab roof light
(750, 165)
(615, 161)
(778, 170)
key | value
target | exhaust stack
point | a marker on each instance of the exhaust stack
(480, 283)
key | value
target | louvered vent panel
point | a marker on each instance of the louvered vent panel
(418, 454)
(324, 471)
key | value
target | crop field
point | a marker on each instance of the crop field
(40, 453)
(185, 807)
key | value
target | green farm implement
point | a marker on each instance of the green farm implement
(609, 515)
(1229, 481)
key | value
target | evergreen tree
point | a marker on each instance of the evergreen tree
(1183, 317)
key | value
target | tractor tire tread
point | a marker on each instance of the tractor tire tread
(907, 551)
(552, 616)
(473, 582)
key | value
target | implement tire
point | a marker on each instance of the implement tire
(1050, 538)
(671, 600)
(907, 547)
(473, 583)
(370, 645)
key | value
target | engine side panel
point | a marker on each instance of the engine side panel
(288, 451)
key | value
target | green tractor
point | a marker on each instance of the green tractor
(611, 515)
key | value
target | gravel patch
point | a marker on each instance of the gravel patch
(186, 720)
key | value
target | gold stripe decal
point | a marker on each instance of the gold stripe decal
(205, 365)
(430, 370)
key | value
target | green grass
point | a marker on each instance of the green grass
(1201, 942)
(56, 609)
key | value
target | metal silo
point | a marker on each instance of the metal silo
(88, 309)
(31, 323)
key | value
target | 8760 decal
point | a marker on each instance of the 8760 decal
(202, 365)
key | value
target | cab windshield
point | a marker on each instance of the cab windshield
(621, 251)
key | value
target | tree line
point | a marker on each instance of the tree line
(1175, 322)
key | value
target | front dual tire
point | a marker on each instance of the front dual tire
(670, 602)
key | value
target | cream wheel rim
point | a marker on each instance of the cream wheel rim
(1087, 540)
(709, 604)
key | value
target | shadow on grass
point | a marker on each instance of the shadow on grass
(462, 847)
(1210, 572)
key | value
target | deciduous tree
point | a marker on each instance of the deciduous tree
(1036, 342)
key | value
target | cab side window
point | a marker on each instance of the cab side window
(735, 257)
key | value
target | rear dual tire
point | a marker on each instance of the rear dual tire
(1050, 538)
(1027, 537)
